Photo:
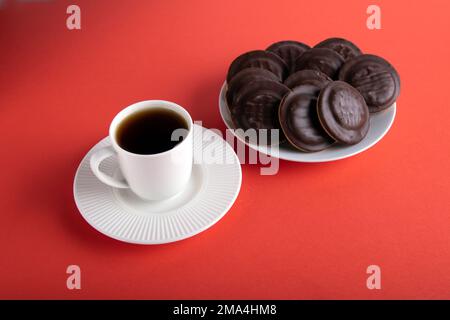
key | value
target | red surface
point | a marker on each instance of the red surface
(308, 232)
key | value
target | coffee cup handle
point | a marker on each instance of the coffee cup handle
(95, 161)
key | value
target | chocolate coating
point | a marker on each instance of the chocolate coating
(343, 112)
(258, 107)
(375, 78)
(345, 48)
(299, 120)
(243, 78)
(320, 59)
(289, 51)
(306, 76)
(258, 59)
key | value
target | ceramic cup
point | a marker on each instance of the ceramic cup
(151, 176)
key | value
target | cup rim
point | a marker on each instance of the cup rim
(148, 104)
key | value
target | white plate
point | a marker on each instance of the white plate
(380, 123)
(121, 215)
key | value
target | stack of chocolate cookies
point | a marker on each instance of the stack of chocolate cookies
(317, 96)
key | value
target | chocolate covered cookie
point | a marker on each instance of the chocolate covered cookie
(343, 112)
(289, 51)
(258, 106)
(259, 59)
(299, 119)
(242, 79)
(307, 77)
(345, 48)
(320, 59)
(375, 78)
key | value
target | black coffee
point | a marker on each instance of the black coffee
(150, 131)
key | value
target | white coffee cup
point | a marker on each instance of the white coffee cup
(151, 176)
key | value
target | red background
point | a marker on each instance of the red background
(308, 232)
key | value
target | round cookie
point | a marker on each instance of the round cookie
(288, 50)
(258, 106)
(343, 112)
(258, 59)
(345, 48)
(299, 120)
(320, 59)
(375, 78)
(306, 76)
(243, 78)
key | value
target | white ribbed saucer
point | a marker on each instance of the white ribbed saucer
(119, 214)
